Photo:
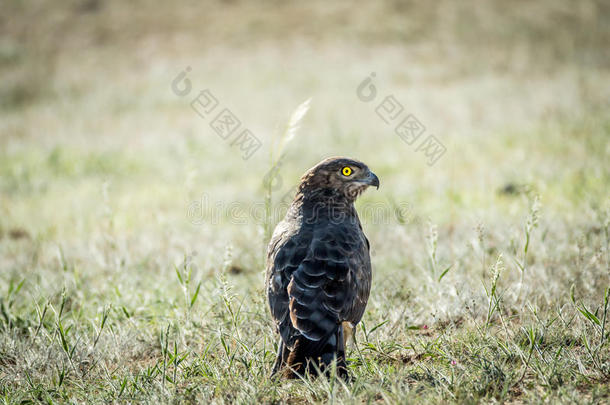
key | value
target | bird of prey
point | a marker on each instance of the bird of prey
(318, 268)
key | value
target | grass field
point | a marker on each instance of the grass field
(133, 236)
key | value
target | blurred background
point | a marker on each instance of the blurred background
(95, 141)
(113, 170)
(101, 152)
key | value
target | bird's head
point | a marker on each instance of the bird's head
(338, 177)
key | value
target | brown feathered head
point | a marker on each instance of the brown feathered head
(337, 178)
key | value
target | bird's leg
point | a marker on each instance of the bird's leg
(340, 343)
(279, 361)
(348, 330)
(341, 364)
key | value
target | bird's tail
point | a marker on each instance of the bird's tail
(313, 357)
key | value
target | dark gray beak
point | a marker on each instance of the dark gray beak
(372, 180)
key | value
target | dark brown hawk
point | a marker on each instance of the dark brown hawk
(319, 269)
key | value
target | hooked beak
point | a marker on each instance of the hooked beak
(372, 180)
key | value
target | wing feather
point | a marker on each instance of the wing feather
(323, 289)
(318, 277)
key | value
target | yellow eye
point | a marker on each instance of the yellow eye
(346, 171)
